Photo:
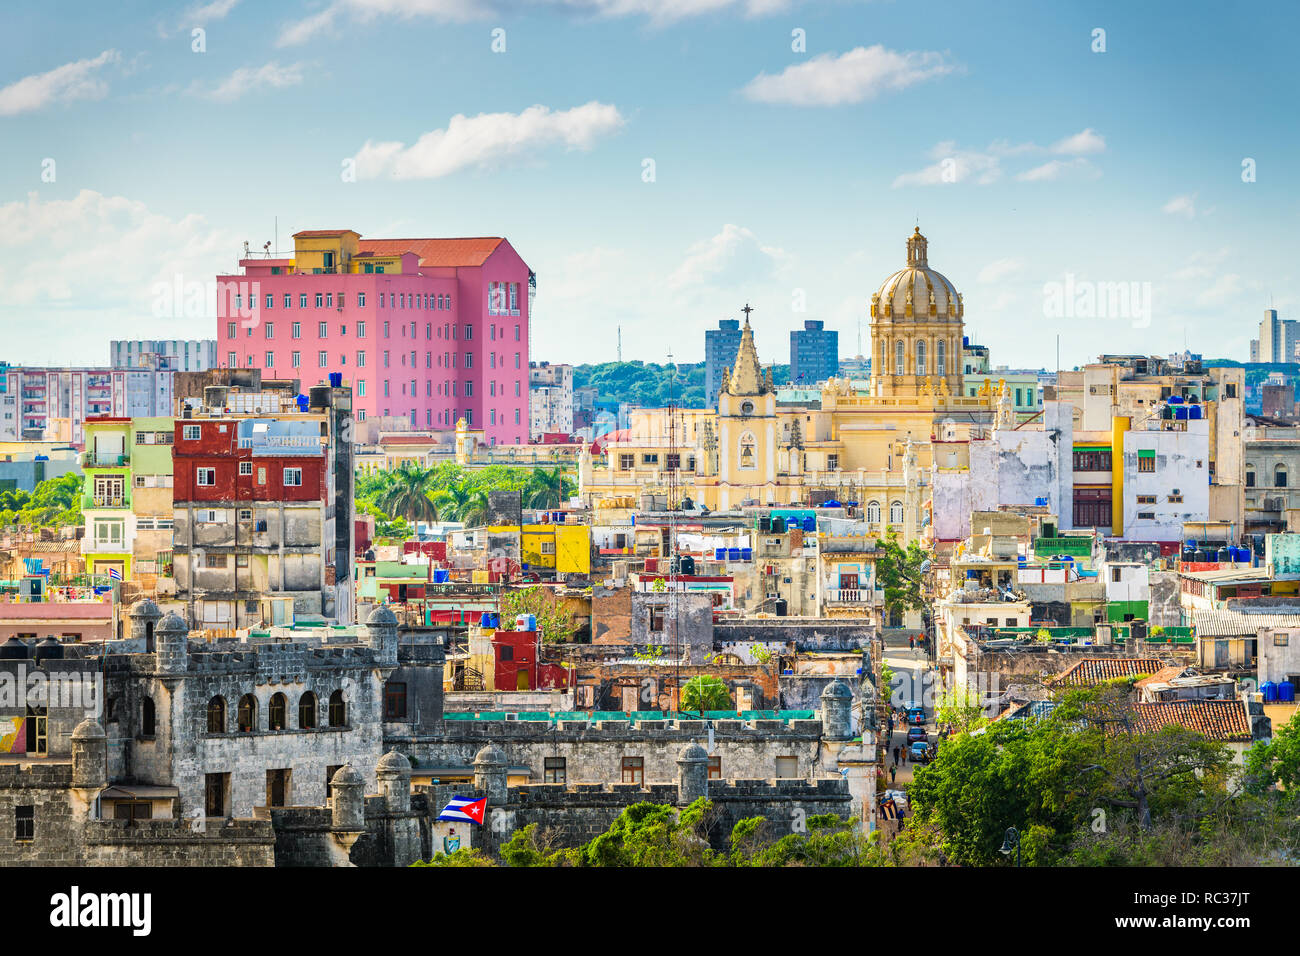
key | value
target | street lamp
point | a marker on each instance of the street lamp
(1010, 841)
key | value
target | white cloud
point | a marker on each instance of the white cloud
(1225, 288)
(77, 272)
(207, 12)
(860, 74)
(1059, 168)
(999, 269)
(63, 84)
(483, 140)
(1181, 206)
(459, 11)
(248, 79)
(732, 258)
(1201, 265)
(1082, 143)
(953, 165)
(982, 167)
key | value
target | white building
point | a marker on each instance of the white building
(550, 399)
(1166, 479)
(178, 355)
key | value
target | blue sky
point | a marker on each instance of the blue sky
(779, 176)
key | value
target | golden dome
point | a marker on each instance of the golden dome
(917, 291)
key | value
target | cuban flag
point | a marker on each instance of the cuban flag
(462, 808)
(115, 574)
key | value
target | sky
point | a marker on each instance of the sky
(661, 163)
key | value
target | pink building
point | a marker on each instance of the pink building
(431, 330)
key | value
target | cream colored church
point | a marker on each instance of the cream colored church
(873, 446)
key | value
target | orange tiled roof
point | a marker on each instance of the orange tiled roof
(1094, 670)
(1224, 720)
(436, 252)
(1163, 675)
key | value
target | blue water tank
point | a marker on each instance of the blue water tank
(485, 620)
(719, 554)
(440, 576)
(1196, 412)
(810, 523)
(336, 379)
(1286, 692)
(1180, 413)
(303, 402)
(1269, 690)
(733, 554)
(747, 554)
(1191, 544)
(1175, 400)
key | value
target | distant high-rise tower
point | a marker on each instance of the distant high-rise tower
(814, 353)
(1277, 340)
(720, 346)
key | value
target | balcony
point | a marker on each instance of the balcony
(93, 459)
(106, 501)
(853, 596)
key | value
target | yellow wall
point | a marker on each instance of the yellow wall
(1119, 425)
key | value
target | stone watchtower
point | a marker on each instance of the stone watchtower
(381, 632)
(172, 643)
(692, 774)
(490, 774)
(837, 711)
(89, 755)
(144, 616)
(394, 774)
(348, 812)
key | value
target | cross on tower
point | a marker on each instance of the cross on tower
(747, 310)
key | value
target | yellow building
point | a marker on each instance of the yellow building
(563, 548)
(874, 449)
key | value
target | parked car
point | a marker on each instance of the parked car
(915, 714)
(917, 733)
(919, 751)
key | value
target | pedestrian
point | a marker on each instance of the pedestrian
(911, 642)
(895, 755)
(892, 772)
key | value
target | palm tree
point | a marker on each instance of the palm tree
(475, 510)
(453, 499)
(407, 496)
(546, 488)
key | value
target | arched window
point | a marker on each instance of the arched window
(246, 716)
(873, 512)
(148, 720)
(338, 710)
(217, 715)
(276, 716)
(900, 361)
(896, 513)
(941, 357)
(1279, 476)
(920, 357)
(307, 711)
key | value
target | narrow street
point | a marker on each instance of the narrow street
(910, 665)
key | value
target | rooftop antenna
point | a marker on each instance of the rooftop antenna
(620, 343)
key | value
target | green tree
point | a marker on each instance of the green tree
(1277, 761)
(407, 494)
(898, 570)
(961, 708)
(702, 693)
(553, 620)
(548, 488)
